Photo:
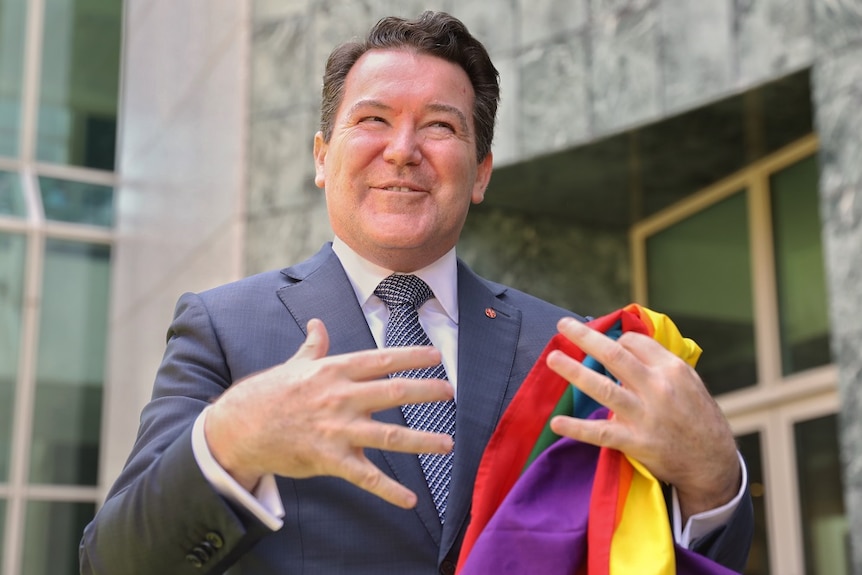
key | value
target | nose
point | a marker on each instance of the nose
(403, 147)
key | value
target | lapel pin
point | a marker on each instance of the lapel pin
(490, 312)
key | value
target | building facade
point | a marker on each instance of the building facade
(702, 158)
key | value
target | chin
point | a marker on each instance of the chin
(400, 237)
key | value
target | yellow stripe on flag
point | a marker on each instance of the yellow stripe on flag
(644, 510)
(666, 333)
(642, 542)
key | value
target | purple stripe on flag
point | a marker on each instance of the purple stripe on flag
(541, 526)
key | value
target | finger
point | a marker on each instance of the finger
(601, 432)
(376, 363)
(675, 371)
(382, 394)
(600, 387)
(391, 437)
(614, 357)
(365, 475)
(316, 344)
(647, 350)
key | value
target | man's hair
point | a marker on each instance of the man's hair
(433, 33)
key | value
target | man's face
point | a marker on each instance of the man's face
(400, 169)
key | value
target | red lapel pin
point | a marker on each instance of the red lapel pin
(490, 312)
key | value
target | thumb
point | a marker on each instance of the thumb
(316, 344)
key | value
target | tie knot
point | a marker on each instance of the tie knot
(399, 289)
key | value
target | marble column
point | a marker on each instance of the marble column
(837, 78)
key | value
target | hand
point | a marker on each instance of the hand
(312, 416)
(663, 415)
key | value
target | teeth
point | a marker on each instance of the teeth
(398, 189)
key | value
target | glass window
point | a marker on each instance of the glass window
(51, 536)
(758, 558)
(12, 27)
(799, 261)
(825, 530)
(699, 273)
(12, 253)
(11, 197)
(79, 83)
(77, 202)
(70, 367)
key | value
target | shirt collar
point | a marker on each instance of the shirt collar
(441, 276)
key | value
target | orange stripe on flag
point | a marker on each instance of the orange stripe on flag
(603, 512)
(625, 473)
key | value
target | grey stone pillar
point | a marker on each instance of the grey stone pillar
(837, 78)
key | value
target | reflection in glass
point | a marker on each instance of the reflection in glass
(799, 261)
(825, 529)
(12, 28)
(699, 274)
(758, 558)
(79, 83)
(11, 197)
(77, 202)
(70, 364)
(51, 536)
(12, 253)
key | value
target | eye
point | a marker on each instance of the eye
(442, 125)
(371, 119)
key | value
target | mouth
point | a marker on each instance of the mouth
(401, 188)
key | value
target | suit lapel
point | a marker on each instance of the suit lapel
(487, 341)
(322, 290)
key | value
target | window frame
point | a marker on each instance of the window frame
(775, 403)
(16, 492)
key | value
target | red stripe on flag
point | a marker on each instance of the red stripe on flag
(605, 511)
(519, 430)
(513, 440)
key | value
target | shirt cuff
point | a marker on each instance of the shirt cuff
(265, 503)
(700, 524)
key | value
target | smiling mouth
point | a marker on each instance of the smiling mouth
(399, 189)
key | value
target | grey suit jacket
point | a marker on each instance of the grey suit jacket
(162, 516)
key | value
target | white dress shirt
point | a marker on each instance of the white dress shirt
(439, 318)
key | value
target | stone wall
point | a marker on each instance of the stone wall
(586, 270)
(571, 72)
(837, 78)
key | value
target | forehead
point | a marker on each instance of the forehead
(407, 77)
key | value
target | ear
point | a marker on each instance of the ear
(483, 176)
(320, 149)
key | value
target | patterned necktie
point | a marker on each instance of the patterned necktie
(404, 295)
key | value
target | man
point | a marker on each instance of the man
(275, 441)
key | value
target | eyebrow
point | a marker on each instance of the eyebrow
(434, 107)
(368, 103)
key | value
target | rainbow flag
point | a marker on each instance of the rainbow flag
(551, 505)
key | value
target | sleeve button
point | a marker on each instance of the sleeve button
(214, 538)
(194, 560)
(202, 553)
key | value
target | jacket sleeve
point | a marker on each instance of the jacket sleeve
(729, 544)
(161, 515)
